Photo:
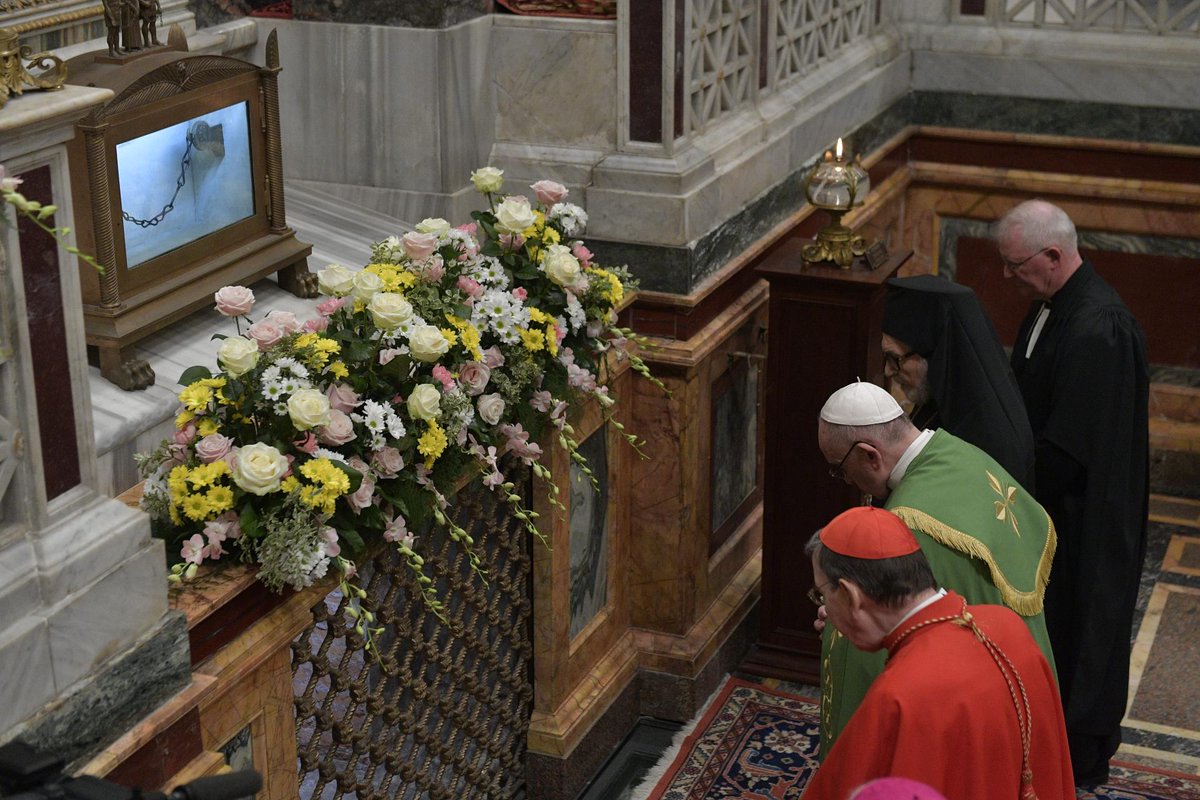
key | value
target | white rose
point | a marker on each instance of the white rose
(491, 407)
(335, 281)
(237, 355)
(308, 408)
(434, 225)
(425, 402)
(366, 284)
(487, 179)
(389, 310)
(514, 215)
(426, 343)
(560, 265)
(258, 468)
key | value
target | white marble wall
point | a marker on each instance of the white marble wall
(80, 578)
(391, 118)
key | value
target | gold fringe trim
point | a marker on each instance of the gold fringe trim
(1027, 604)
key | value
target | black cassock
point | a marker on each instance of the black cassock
(1086, 389)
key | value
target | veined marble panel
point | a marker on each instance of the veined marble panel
(555, 81)
(1132, 68)
(26, 666)
(734, 438)
(385, 107)
(94, 625)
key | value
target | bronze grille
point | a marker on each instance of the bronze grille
(446, 716)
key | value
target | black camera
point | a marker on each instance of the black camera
(28, 774)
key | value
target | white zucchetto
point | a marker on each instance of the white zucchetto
(860, 404)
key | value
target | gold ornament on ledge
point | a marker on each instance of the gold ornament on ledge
(13, 77)
(836, 184)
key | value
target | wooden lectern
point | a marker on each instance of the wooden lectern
(824, 325)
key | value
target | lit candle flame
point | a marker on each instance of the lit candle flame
(839, 149)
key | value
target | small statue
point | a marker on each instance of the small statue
(112, 22)
(131, 35)
(149, 9)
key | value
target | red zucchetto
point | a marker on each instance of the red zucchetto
(870, 533)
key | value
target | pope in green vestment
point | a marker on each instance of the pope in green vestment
(985, 537)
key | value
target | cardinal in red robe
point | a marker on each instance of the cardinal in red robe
(966, 703)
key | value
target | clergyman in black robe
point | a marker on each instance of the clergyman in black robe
(965, 385)
(1080, 359)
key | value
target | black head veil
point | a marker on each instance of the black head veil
(969, 374)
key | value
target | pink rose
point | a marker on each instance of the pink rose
(364, 496)
(213, 447)
(342, 398)
(582, 253)
(286, 320)
(493, 358)
(339, 430)
(434, 270)
(306, 444)
(511, 241)
(185, 436)
(234, 301)
(327, 308)
(469, 227)
(474, 377)
(549, 192)
(470, 287)
(387, 462)
(419, 245)
(316, 325)
(443, 375)
(520, 293)
(265, 333)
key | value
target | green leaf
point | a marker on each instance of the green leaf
(193, 374)
(359, 351)
(349, 537)
(249, 522)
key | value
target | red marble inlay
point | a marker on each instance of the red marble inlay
(164, 756)
(48, 341)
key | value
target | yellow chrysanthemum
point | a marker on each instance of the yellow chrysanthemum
(551, 340)
(289, 484)
(538, 316)
(207, 426)
(208, 474)
(432, 444)
(177, 481)
(220, 499)
(183, 419)
(450, 335)
(196, 397)
(338, 370)
(176, 518)
(533, 340)
(470, 341)
(215, 383)
(195, 507)
(550, 236)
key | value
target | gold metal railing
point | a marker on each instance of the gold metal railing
(445, 712)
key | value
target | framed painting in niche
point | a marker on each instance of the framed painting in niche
(735, 439)
(589, 532)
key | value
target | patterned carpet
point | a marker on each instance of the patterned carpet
(755, 742)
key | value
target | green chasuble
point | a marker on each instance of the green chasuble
(985, 537)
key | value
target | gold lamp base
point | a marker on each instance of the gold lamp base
(836, 243)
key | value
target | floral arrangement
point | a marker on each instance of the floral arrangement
(453, 348)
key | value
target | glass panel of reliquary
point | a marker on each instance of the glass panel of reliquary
(589, 532)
